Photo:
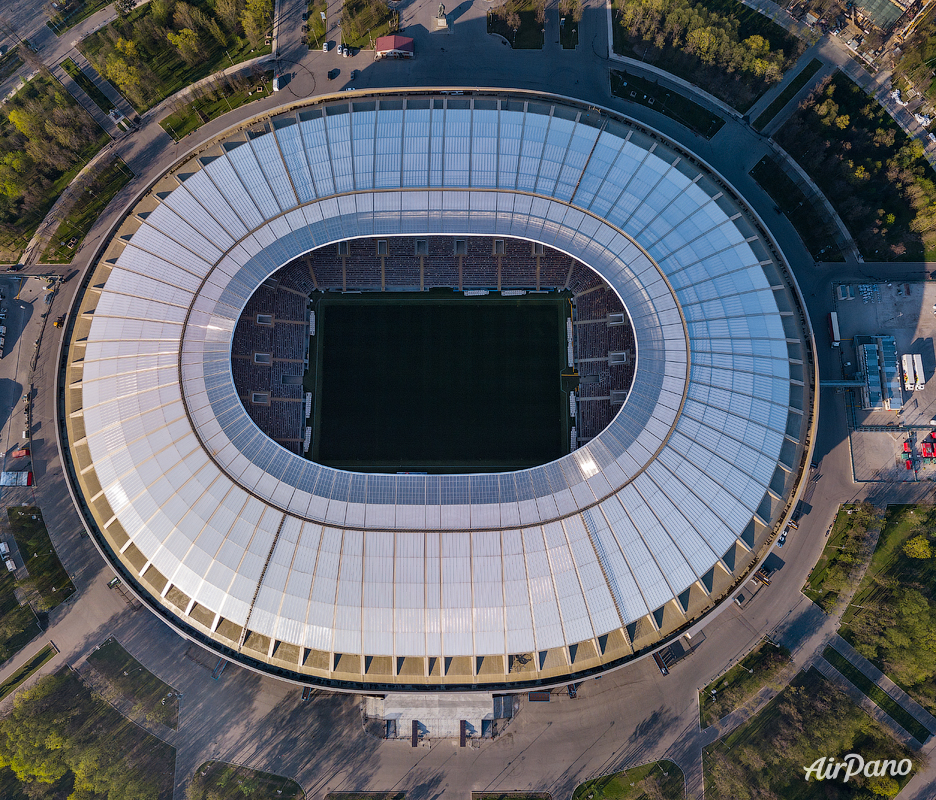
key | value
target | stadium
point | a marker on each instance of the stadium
(204, 429)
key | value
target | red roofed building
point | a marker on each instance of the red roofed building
(394, 47)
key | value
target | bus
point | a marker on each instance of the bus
(834, 333)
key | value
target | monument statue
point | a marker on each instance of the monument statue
(441, 10)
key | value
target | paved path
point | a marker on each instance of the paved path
(871, 672)
(825, 71)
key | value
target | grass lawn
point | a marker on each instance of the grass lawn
(29, 222)
(171, 73)
(316, 32)
(892, 616)
(826, 579)
(28, 669)
(11, 247)
(568, 34)
(436, 359)
(9, 63)
(363, 23)
(509, 796)
(72, 730)
(529, 36)
(194, 115)
(129, 678)
(87, 86)
(660, 779)
(739, 90)
(788, 93)
(219, 781)
(46, 573)
(73, 13)
(810, 718)
(811, 220)
(875, 693)
(18, 623)
(667, 101)
(741, 682)
(901, 523)
(71, 231)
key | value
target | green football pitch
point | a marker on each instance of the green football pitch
(437, 382)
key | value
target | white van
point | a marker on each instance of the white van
(9, 564)
(4, 549)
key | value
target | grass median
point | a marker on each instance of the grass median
(25, 672)
(87, 85)
(794, 86)
(70, 14)
(877, 695)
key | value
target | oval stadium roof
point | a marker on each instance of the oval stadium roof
(352, 580)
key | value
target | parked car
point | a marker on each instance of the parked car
(9, 564)
(4, 549)
(324, 47)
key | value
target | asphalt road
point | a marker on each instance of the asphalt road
(627, 717)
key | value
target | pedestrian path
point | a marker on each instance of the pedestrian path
(859, 698)
(777, 89)
(82, 98)
(774, 124)
(871, 672)
(105, 86)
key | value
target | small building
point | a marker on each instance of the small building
(394, 47)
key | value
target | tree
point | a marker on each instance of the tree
(884, 786)
(188, 45)
(128, 47)
(161, 10)
(229, 12)
(217, 32)
(124, 7)
(256, 18)
(918, 547)
(125, 75)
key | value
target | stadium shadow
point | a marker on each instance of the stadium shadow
(10, 393)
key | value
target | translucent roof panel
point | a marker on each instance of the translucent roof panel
(451, 565)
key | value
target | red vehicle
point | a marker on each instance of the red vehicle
(927, 448)
(906, 447)
(909, 465)
(22, 453)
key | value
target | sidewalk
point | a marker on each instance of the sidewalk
(871, 672)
